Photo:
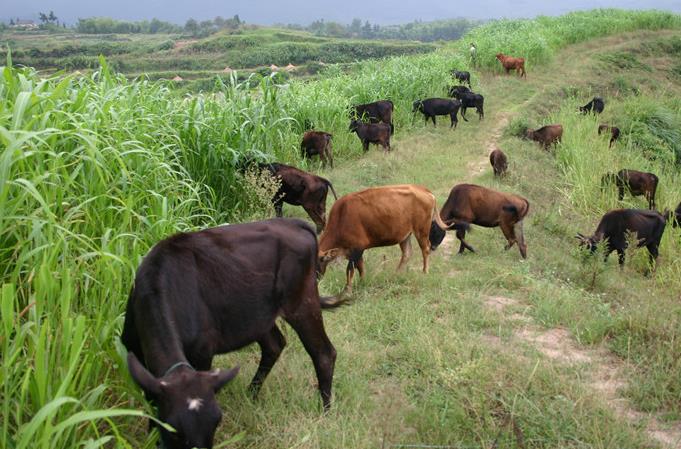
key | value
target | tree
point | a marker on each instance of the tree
(356, 26)
(11, 22)
(191, 26)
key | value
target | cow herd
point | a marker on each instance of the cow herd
(204, 293)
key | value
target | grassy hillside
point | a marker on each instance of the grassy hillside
(169, 55)
(97, 169)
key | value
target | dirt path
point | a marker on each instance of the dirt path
(606, 378)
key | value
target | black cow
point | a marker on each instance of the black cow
(378, 111)
(438, 106)
(648, 225)
(214, 291)
(471, 100)
(462, 77)
(376, 133)
(596, 105)
(300, 188)
(454, 90)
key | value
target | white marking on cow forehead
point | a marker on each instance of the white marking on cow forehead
(194, 404)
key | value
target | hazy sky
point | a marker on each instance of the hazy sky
(305, 11)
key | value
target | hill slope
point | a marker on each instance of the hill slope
(558, 350)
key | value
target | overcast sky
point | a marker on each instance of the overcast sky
(304, 11)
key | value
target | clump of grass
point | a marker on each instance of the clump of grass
(517, 127)
(623, 60)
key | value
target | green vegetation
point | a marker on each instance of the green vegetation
(106, 25)
(95, 169)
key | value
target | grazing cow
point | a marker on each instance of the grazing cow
(300, 188)
(674, 217)
(614, 132)
(462, 77)
(438, 106)
(378, 111)
(472, 204)
(471, 100)
(636, 182)
(546, 135)
(376, 133)
(596, 105)
(510, 63)
(214, 291)
(648, 225)
(455, 90)
(499, 162)
(378, 216)
(317, 142)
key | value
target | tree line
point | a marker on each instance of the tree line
(106, 25)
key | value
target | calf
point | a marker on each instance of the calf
(471, 100)
(455, 90)
(596, 105)
(214, 291)
(378, 216)
(546, 135)
(499, 162)
(378, 111)
(614, 132)
(300, 188)
(646, 224)
(462, 77)
(376, 133)
(438, 106)
(472, 204)
(636, 182)
(510, 63)
(317, 142)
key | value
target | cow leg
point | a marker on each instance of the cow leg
(620, 192)
(271, 346)
(365, 145)
(433, 118)
(308, 324)
(620, 257)
(360, 265)
(455, 121)
(316, 216)
(405, 246)
(653, 254)
(461, 234)
(424, 244)
(353, 262)
(509, 233)
(278, 205)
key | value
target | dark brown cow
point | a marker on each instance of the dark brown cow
(472, 204)
(546, 135)
(462, 76)
(376, 133)
(317, 142)
(378, 216)
(648, 226)
(596, 105)
(300, 188)
(636, 182)
(510, 63)
(499, 162)
(214, 291)
(614, 132)
(378, 111)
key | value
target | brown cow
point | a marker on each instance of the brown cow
(317, 142)
(375, 217)
(614, 132)
(546, 135)
(509, 62)
(300, 188)
(469, 203)
(499, 162)
(637, 183)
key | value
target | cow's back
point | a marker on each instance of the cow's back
(377, 216)
(215, 290)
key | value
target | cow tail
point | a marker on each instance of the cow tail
(328, 183)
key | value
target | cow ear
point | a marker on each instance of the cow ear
(221, 377)
(142, 376)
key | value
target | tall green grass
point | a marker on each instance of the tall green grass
(537, 40)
